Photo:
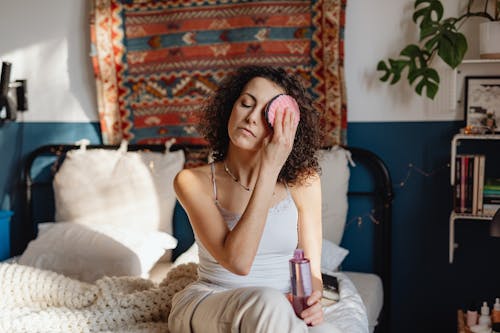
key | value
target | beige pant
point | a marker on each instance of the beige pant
(198, 309)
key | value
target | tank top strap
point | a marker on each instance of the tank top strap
(286, 188)
(212, 168)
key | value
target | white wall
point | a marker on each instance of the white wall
(377, 30)
(48, 43)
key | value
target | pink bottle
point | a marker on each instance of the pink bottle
(300, 275)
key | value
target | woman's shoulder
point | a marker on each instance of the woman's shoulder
(311, 179)
(194, 178)
(194, 174)
(307, 189)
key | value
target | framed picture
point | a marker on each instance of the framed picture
(482, 103)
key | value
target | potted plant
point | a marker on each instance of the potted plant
(439, 37)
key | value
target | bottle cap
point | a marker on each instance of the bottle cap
(298, 254)
(497, 304)
(485, 310)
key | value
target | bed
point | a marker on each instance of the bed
(96, 247)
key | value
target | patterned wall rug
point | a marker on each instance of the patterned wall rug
(155, 62)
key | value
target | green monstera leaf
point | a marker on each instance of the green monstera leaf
(427, 78)
(438, 37)
(452, 47)
(414, 60)
(449, 44)
(430, 13)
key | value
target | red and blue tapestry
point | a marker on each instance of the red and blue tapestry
(155, 62)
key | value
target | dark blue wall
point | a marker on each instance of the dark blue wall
(427, 290)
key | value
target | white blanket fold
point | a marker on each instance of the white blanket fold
(35, 300)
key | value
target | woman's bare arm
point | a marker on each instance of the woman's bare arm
(236, 249)
(308, 200)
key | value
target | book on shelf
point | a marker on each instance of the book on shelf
(492, 184)
(491, 200)
(491, 193)
(457, 199)
(491, 196)
(469, 183)
(480, 181)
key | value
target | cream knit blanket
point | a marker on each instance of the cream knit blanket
(35, 300)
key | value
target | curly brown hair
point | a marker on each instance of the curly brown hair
(214, 117)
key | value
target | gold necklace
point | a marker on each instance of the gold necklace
(248, 189)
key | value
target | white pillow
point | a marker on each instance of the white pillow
(332, 256)
(88, 253)
(131, 189)
(334, 186)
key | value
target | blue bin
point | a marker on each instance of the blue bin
(5, 233)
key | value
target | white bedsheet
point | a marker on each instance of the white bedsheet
(349, 313)
(371, 291)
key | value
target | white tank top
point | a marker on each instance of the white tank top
(270, 267)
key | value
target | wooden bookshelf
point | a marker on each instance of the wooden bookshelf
(464, 216)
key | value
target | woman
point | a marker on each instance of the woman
(258, 201)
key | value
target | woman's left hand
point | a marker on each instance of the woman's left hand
(313, 315)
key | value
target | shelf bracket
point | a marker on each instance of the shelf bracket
(452, 245)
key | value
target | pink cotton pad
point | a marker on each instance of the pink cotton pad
(281, 101)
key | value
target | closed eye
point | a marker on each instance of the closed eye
(247, 100)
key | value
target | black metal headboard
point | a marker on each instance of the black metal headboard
(382, 195)
(39, 183)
